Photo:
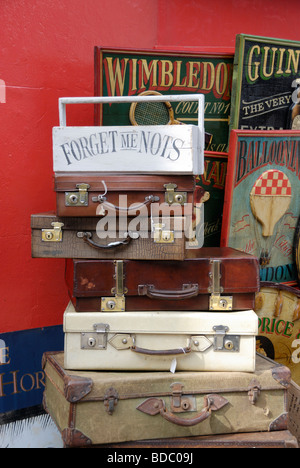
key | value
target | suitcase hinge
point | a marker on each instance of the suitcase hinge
(174, 197)
(224, 342)
(162, 236)
(80, 198)
(53, 235)
(181, 403)
(254, 390)
(217, 302)
(116, 303)
(110, 400)
(95, 340)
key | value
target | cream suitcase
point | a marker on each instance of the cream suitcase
(160, 341)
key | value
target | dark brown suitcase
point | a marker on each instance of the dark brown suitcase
(87, 194)
(210, 278)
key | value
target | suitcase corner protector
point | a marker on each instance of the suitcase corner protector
(74, 438)
(76, 388)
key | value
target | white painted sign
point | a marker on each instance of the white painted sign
(154, 149)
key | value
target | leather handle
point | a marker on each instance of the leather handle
(188, 291)
(134, 207)
(154, 406)
(88, 238)
(165, 352)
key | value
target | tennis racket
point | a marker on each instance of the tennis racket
(156, 113)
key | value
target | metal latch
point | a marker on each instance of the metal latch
(218, 302)
(174, 197)
(53, 235)
(117, 302)
(254, 390)
(161, 235)
(80, 198)
(110, 400)
(224, 342)
(181, 403)
(95, 340)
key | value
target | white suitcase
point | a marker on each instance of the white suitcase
(160, 341)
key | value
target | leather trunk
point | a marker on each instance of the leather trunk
(166, 285)
(91, 408)
(87, 194)
(155, 341)
(67, 237)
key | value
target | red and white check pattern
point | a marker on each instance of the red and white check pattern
(273, 183)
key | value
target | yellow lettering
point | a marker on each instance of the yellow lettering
(208, 82)
(219, 78)
(178, 72)
(193, 81)
(294, 59)
(117, 76)
(253, 66)
(166, 73)
(267, 74)
(147, 71)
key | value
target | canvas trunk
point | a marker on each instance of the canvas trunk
(111, 407)
(209, 279)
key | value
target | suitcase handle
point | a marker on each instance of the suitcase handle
(109, 206)
(188, 291)
(166, 352)
(87, 237)
(154, 406)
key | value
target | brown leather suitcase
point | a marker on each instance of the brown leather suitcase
(87, 194)
(210, 279)
(68, 237)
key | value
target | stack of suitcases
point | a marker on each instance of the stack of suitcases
(160, 332)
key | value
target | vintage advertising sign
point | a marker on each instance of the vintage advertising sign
(264, 83)
(213, 181)
(262, 204)
(22, 380)
(132, 72)
(278, 310)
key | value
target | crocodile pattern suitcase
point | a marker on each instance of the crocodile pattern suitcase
(55, 237)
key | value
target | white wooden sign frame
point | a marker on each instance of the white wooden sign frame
(154, 149)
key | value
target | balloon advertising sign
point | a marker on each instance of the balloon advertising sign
(261, 202)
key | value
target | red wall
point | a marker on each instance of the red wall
(47, 52)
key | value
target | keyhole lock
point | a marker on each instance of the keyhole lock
(179, 198)
(49, 235)
(228, 345)
(111, 305)
(73, 199)
(185, 404)
(92, 342)
(166, 236)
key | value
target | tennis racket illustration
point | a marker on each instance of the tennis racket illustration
(156, 113)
